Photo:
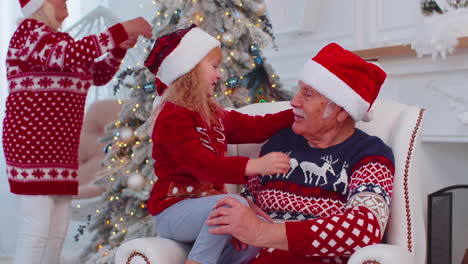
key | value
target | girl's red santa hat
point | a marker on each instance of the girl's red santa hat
(345, 79)
(28, 7)
(177, 53)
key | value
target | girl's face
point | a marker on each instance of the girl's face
(208, 71)
(60, 8)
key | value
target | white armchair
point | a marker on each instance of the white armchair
(399, 126)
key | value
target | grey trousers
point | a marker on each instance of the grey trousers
(185, 222)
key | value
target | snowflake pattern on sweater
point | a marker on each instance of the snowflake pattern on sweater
(49, 75)
(333, 200)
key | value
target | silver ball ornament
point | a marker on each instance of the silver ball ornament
(456, 3)
(259, 9)
(227, 38)
(136, 182)
(126, 134)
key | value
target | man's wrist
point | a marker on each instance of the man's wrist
(273, 236)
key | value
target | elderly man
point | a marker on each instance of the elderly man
(336, 196)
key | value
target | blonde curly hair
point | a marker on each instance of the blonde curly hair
(187, 92)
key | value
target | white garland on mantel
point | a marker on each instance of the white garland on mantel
(438, 34)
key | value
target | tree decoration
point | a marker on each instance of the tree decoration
(149, 87)
(136, 182)
(126, 134)
(233, 82)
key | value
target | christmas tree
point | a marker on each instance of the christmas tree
(243, 30)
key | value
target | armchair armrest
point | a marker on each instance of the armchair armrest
(152, 250)
(382, 254)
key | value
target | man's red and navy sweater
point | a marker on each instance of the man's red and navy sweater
(333, 200)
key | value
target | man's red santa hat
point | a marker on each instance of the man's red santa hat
(345, 79)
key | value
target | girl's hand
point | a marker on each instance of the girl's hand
(271, 163)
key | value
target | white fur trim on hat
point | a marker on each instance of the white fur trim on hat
(335, 89)
(156, 101)
(31, 7)
(193, 47)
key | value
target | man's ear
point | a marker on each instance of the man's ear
(342, 115)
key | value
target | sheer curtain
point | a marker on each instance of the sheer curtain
(9, 14)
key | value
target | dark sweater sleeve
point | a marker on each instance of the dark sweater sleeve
(243, 128)
(175, 131)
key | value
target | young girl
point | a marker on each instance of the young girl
(190, 138)
(49, 74)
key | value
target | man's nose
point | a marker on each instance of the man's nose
(295, 102)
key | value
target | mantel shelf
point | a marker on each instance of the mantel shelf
(398, 50)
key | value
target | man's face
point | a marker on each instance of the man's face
(314, 114)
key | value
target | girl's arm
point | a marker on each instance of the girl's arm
(243, 128)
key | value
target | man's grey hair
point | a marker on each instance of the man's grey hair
(328, 109)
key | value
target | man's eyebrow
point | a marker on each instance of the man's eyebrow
(307, 89)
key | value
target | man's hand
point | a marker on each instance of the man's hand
(238, 245)
(138, 27)
(238, 220)
(271, 163)
(258, 211)
(242, 222)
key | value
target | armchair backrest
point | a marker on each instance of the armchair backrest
(399, 126)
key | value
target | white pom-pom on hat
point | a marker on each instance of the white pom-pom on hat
(368, 116)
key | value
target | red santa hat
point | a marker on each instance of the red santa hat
(177, 53)
(345, 79)
(28, 7)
